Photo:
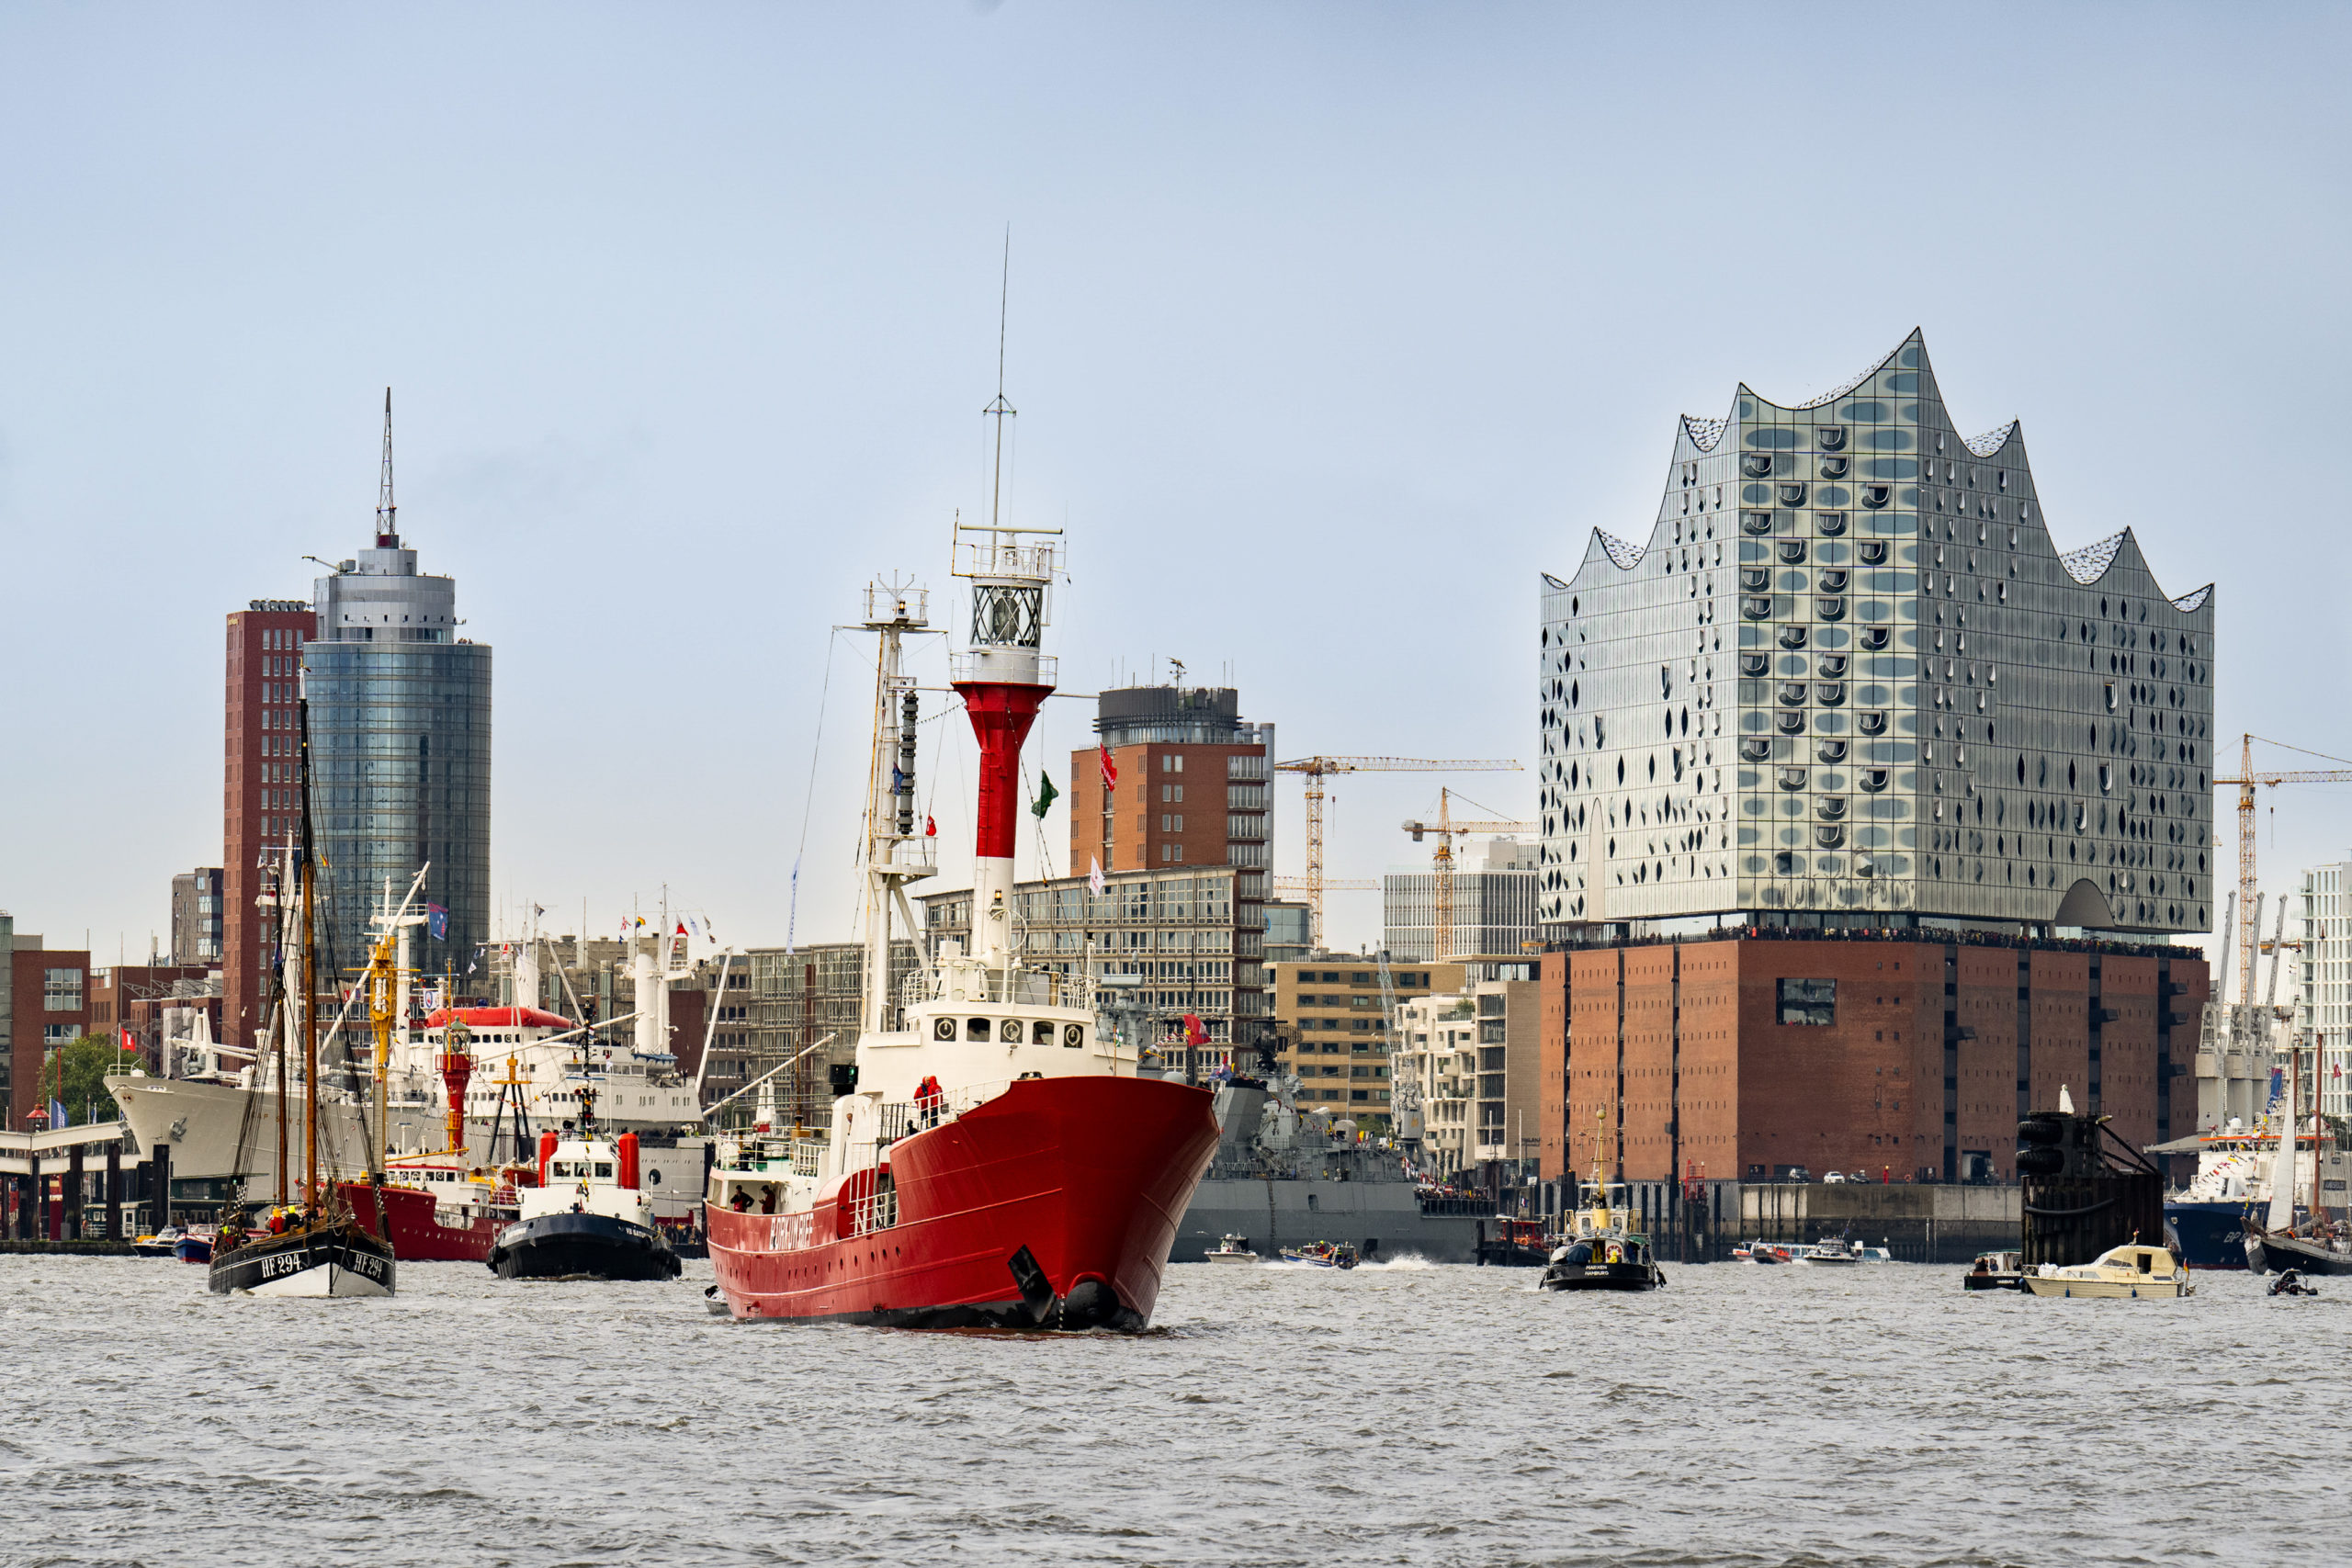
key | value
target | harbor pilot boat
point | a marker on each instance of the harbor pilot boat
(993, 1159)
(1597, 1250)
(590, 1216)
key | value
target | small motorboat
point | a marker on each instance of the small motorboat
(158, 1243)
(713, 1302)
(2130, 1272)
(2291, 1283)
(1835, 1252)
(194, 1245)
(1765, 1252)
(1996, 1271)
(1230, 1250)
(1322, 1255)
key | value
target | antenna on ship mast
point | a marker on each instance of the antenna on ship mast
(998, 408)
(388, 535)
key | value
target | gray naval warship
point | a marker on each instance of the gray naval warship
(1283, 1178)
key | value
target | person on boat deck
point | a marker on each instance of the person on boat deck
(741, 1201)
(277, 1222)
(767, 1199)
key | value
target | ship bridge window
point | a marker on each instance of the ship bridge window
(977, 1028)
(1041, 1033)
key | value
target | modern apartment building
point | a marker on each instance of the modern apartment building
(1190, 782)
(1494, 893)
(1477, 1053)
(2324, 995)
(197, 916)
(1330, 1028)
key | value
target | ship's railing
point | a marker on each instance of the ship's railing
(805, 1154)
(1019, 987)
(905, 1118)
(874, 1211)
(977, 666)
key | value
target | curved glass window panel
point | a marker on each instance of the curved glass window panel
(1830, 609)
(1792, 494)
(1829, 835)
(1830, 523)
(1791, 723)
(1792, 778)
(1793, 693)
(1755, 609)
(1792, 551)
(1872, 552)
(1831, 751)
(1876, 496)
(1829, 438)
(1871, 723)
(1791, 637)
(1756, 521)
(1829, 694)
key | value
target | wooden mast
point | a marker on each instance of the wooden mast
(309, 972)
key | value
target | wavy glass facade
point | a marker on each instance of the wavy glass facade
(1851, 680)
(400, 738)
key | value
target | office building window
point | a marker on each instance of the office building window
(61, 990)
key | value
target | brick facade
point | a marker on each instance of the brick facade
(1170, 808)
(257, 794)
(1679, 1058)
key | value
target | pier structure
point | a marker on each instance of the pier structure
(1867, 813)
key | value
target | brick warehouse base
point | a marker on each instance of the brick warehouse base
(1752, 1052)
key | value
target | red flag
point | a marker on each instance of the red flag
(1193, 1034)
(133, 1049)
(682, 928)
(929, 829)
(1110, 768)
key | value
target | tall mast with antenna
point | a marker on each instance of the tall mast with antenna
(388, 534)
(999, 409)
(1003, 676)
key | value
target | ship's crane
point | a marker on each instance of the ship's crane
(1316, 769)
(2248, 931)
(1441, 863)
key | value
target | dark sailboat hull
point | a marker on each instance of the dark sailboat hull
(2277, 1254)
(340, 1261)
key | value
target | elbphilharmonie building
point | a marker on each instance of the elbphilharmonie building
(1850, 679)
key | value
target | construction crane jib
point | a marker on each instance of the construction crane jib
(1317, 769)
(2248, 931)
(1441, 861)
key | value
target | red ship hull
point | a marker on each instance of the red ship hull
(409, 1221)
(1052, 1206)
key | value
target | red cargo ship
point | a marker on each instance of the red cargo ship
(993, 1159)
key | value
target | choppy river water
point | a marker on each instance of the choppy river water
(1274, 1416)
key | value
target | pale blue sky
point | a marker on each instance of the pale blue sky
(1332, 325)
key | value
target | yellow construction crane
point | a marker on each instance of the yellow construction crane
(2246, 780)
(1316, 769)
(1441, 863)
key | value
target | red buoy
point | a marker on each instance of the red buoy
(629, 1159)
(546, 1153)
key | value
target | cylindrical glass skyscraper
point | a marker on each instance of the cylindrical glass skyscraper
(399, 738)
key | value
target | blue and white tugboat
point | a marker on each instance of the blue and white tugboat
(589, 1218)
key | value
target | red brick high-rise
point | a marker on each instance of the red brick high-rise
(257, 794)
(1193, 783)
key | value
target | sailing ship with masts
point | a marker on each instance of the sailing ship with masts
(312, 1245)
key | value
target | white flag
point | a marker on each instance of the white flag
(1094, 875)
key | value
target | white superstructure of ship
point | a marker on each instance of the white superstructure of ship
(220, 1112)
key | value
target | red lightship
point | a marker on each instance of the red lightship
(993, 1159)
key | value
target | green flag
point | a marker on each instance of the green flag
(1047, 795)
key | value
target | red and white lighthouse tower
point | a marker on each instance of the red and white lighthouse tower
(1004, 679)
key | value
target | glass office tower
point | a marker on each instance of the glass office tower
(400, 734)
